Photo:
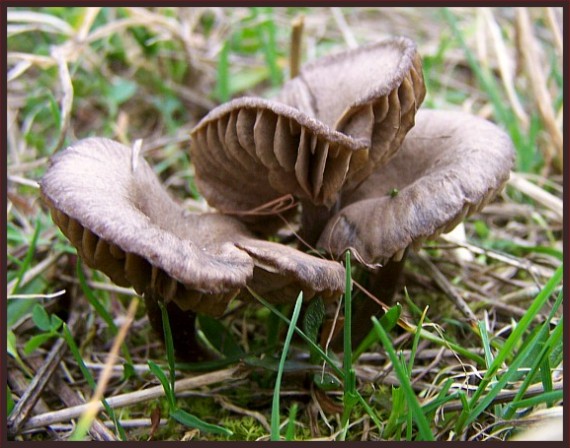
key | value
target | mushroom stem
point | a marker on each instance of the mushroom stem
(314, 218)
(383, 284)
(182, 326)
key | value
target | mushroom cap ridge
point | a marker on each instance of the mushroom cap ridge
(450, 165)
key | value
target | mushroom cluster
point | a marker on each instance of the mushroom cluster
(368, 171)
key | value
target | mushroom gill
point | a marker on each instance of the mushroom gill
(371, 93)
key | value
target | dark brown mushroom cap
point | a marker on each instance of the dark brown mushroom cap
(329, 127)
(450, 165)
(109, 203)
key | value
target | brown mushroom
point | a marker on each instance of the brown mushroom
(109, 203)
(450, 165)
(251, 151)
(326, 131)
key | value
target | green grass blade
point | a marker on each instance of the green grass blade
(222, 91)
(93, 301)
(389, 320)
(266, 34)
(338, 371)
(168, 389)
(394, 424)
(347, 360)
(411, 365)
(25, 265)
(192, 421)
(518, 332)
(371, 412)
(416, 341)
(442, 398)
(486, 346)
(9, 400)
(546, 374)
(169, 343)
(219, 337)
(419, 417)
(451, 346)
(554, 340)
(546, 397)
(504, 379)
(488, 354)
(349, 395)
(12, 350)
(276, 393)
(308, 340)
(77, 355)
(290, 431)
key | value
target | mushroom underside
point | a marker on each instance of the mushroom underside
(123, 222)
(314, 139)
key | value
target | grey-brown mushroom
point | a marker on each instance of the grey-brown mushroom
(109, 203)
(323, 134)
(450, 165)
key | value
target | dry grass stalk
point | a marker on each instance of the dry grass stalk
(28, 400)
(506, 65)
(538, 84)
(131, 398)
(296, 55)
(555, 28)
(34, 272)
(50, 22)
(102, 286)
(538, 194)
(446, 286)
(345, 29)
(92, 407)
(37, 296)
(226, 404)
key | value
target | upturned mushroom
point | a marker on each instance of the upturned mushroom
(325, 132)
(109, 203)
(450, 165)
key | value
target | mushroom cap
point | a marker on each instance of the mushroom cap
(450, 165)
(327, 130)
(371, 92)
(110, 204)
